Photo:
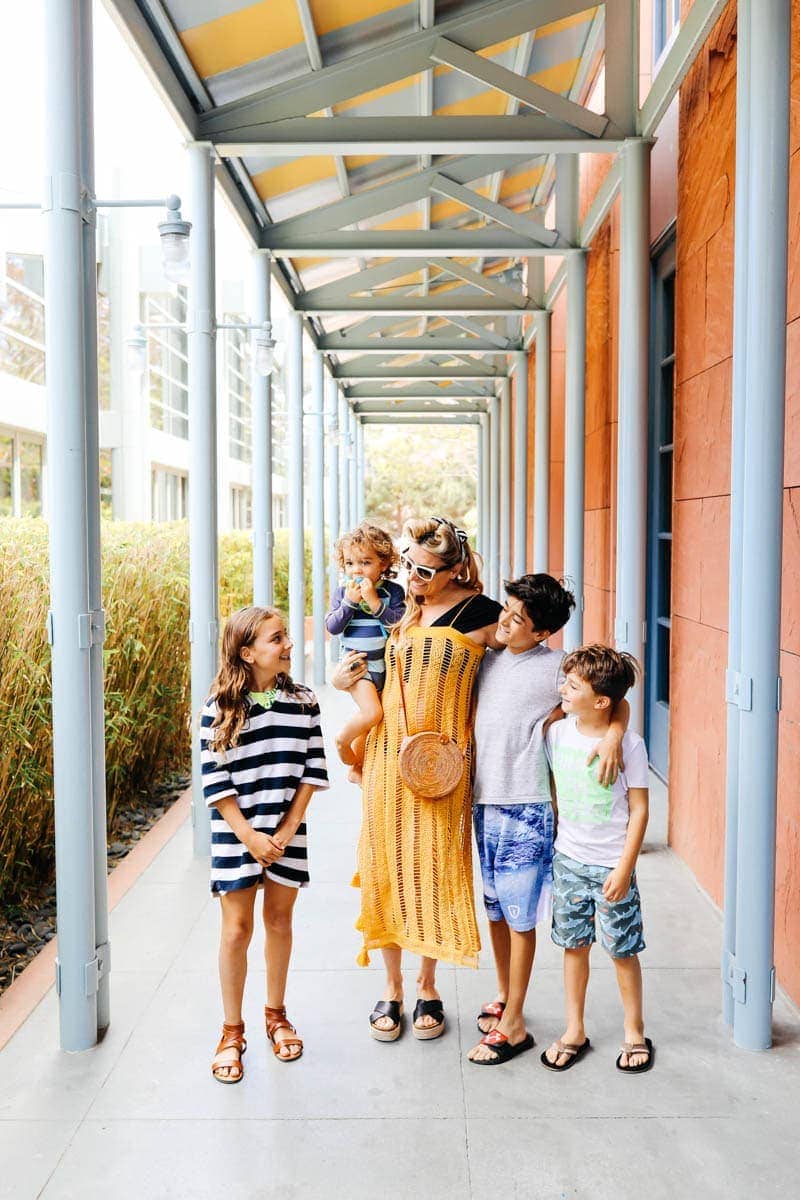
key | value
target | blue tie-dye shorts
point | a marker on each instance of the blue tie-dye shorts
(515, 849)
(578, 895)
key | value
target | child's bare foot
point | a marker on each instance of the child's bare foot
(514, 1031)
(355, 773)
(490, 1015)
(344, 750)
(559, 1057)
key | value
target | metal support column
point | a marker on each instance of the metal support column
(317, 471)
(352, 469)
(504, 548)
(360, 470)
(634, 336)
(69, 621)
(493, 569)
(261, 391)
(520, 556)
(345, 515)
(574, 443)
(97, 615)
(481, 485)
(332, 409)
(294, 410)
(203, 548)
(738, 409)
(541, 446)
(762, 516)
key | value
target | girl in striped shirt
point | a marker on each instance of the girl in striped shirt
(262, 760)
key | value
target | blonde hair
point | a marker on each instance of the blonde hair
(371, 538)
(234, 678)
(439, 537)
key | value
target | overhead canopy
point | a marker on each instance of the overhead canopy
(396, 158)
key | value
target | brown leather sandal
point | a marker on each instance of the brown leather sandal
(275, 1019)
(232, 1039)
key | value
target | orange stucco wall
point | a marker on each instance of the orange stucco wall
(703, 181)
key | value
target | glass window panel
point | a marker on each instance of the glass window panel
(663, 597)
(662, 664)
(667, 403)
(665, 492)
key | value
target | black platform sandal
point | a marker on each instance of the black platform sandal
(393, 1009)
(428, 1008)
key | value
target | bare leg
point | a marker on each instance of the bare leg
(237, 929)
(576, 979)
(369, 714)
(426, 989)
(629, 981)
(522, 948)
(501, 948)
(393, 962)
(279, 902)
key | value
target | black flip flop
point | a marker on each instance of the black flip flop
(503, 1049)
(486, 1015)
(428, 1008)
(392, 1009)
(637, 1048)
(575, 1053)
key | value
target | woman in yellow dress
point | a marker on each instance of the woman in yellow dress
(414, 855)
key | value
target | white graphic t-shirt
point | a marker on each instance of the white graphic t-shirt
(592, 819)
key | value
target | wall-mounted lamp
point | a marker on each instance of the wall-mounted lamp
(174, 233)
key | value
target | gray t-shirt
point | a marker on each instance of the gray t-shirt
(515, 693)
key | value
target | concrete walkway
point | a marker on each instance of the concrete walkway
(141, 1116)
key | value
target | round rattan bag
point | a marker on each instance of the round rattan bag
(430, 764)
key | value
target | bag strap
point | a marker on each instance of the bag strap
(401, 666)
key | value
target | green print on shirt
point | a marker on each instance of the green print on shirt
(580, 797)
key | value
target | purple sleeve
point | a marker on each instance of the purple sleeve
(395, 605)
(340, 614)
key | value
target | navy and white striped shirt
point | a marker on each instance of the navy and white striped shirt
(279, 748)
(366, 631)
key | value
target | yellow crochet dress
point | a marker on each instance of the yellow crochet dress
(415, 855)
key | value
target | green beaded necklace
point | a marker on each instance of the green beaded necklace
(265, 699)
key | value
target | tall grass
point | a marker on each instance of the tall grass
(146, 668)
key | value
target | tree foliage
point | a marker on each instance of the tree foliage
(411, 472)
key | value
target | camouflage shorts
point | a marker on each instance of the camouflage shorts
(578, 896)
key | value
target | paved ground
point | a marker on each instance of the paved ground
(141, 1116)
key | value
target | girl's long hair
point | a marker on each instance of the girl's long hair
(234, 678)
(440, 537)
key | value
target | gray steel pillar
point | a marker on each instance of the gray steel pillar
(574, 443)
(633, 411)
(317, 471)
(352, 469)
(345, 515)
(69, 621)
(762, 517)
(332, 409)
(520, 555)
(294, 413)
(203, 550)
(504, 548)
(481, 484)
(261, 393)
(493, 569)
(541, 450)
(360, 470)
(738, 409)
(102, 946)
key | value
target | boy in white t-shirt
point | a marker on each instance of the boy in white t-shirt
(600, 834)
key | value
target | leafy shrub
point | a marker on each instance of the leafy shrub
(146, 669)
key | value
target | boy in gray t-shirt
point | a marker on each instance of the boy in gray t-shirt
(518, 687)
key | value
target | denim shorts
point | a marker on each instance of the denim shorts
(515, 849)
(578, 896)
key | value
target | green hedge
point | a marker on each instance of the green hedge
(146, 660)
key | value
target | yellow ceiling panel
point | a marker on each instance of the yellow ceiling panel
(330, 15)
(367, 97)
(411, 220)
(242, 37)
(290, 176)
